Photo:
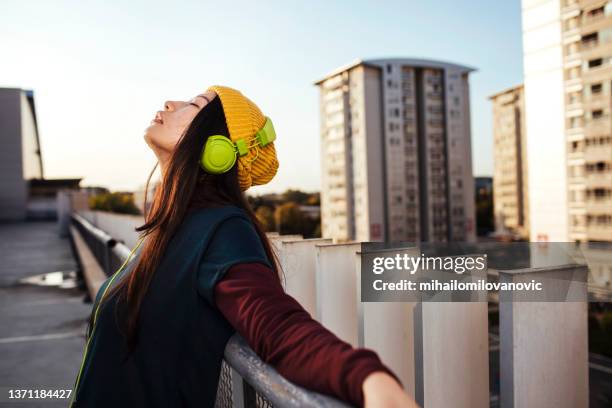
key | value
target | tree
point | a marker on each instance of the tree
(296, 196)
(265, 216)
(290, 219)
(314, 199)
(122, 203)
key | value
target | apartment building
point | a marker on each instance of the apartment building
(20, 157)
(396, 152)
(568, 75)
(510, 192)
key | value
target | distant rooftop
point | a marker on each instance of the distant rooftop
(415, 62)
(507, 90)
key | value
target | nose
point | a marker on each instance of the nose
(169, 106)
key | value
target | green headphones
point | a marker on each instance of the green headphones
(220, 153)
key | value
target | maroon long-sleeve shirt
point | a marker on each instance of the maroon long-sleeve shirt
(284, 335)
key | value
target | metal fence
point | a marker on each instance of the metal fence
(245, 381)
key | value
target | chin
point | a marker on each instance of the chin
(155, 139)
(147, 135)
(151, 138)
(151, 133)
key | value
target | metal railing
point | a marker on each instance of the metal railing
(245, 380)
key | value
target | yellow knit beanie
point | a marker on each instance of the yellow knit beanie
(244, 119)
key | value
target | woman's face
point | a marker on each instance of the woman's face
(168, 125)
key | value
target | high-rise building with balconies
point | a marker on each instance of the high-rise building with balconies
(568, 101)
(396, 152)
(510, 195)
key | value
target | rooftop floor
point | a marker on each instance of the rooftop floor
(41, 327)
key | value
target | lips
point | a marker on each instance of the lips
(158, 118)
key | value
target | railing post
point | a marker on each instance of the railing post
(337, 289)
(452, 354)
(388, 329)
(298, 259)
(544, 345)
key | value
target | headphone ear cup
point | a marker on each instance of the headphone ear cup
(219, 155)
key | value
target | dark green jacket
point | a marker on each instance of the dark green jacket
(182, 335)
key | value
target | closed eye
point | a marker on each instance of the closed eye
(195, 104)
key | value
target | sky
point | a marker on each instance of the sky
(100, 69)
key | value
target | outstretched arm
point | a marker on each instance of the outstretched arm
(284, 335)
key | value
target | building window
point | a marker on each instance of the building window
(392, 84)
(598, 193)
(594, 63)
(597, 167)
(597, 114)
(589, 40)
(576, 147)
(596, 12)
(596, 88)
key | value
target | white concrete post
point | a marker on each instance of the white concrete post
(67, 202)
(388, 329)
(64, 212)
(452, 354)
(544, 345)
(298, 260)
(337, 289)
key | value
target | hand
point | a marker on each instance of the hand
(380, 390)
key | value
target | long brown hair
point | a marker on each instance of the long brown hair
(184, 186)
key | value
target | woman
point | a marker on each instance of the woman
(206, 271)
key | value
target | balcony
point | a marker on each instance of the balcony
(571, 8)
(574, 109)
(575, 133)
(571, 35)
(575, 155)
(574, 83)
(572, 59)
